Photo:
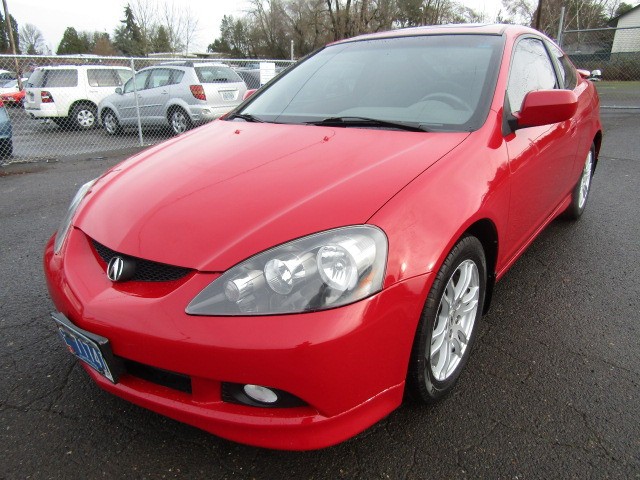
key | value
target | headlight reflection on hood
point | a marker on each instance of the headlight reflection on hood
(321, 271)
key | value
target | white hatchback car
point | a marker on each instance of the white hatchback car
(179, 95)
(69, 94)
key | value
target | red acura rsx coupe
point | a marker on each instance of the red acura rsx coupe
(282, 276)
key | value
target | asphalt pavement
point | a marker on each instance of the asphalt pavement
(551, 391)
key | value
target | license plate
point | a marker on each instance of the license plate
(92, 349)
(228, 96)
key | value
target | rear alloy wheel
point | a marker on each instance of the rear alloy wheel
(83, 116)
(583, 187)
(448, 325)
(110, 122)
(179, 121)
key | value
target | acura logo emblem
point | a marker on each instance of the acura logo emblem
(120, 269)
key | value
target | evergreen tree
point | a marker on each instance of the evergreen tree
(72, 43)
(160, 41)
(5, 44)
(127, 37)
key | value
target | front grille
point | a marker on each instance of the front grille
(175, 381)
(146, 270)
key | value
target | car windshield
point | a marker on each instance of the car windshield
(435, 82)
(10, 84)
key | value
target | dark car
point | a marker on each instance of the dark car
(6, 133)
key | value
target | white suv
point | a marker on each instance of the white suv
(69, 94)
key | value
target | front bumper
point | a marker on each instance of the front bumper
(348, 364)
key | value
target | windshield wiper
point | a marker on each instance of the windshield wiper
(349, 121)
(247, 117)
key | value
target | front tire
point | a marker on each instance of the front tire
(110, 122)
(583, 187)
(449, 322)
(6, 148)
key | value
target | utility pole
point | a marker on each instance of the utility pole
(7, 19)
(538, 15)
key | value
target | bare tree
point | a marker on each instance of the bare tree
(145, 14)
(173, 22)
(190, 27)
(31, 39)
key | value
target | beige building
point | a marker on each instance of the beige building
(627, 40)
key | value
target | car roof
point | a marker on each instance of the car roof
(68, 66)
(451, 29)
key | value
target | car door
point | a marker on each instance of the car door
(157, 94)
(126, 103)
(540, 158)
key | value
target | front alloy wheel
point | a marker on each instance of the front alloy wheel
(110, 122)
(455, 320)
(583, 187)
(448, 324)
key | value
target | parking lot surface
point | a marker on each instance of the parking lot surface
(551, 391)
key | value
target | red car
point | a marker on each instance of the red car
(13, 98)
(282, 276)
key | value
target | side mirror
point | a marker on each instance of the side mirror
(544, 107)
(596, 76)
(248, 93)
(119, 91)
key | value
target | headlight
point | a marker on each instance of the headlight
(63, 229)
(324, 270)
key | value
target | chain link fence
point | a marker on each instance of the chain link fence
(616, 53)
(62, 106)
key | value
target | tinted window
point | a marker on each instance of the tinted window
(215, 74)
(531, 69)
(567, 70)
(441, 82)
(61, 78)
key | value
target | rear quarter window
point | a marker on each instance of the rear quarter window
(214, 74)
(103, 77)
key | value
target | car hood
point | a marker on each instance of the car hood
(226, 191)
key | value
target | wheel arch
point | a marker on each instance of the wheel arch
(83, 101)
(486, 232)
(597, 141)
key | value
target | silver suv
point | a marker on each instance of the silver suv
(69, 94)
(177, 94)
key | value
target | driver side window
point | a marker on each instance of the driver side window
(531, 69)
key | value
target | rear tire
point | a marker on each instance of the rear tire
(449, 322)
(84, 116)
(179, 121)
(581, 191)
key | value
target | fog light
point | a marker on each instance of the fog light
(260, 394)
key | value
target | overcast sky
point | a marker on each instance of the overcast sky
(53, 17)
